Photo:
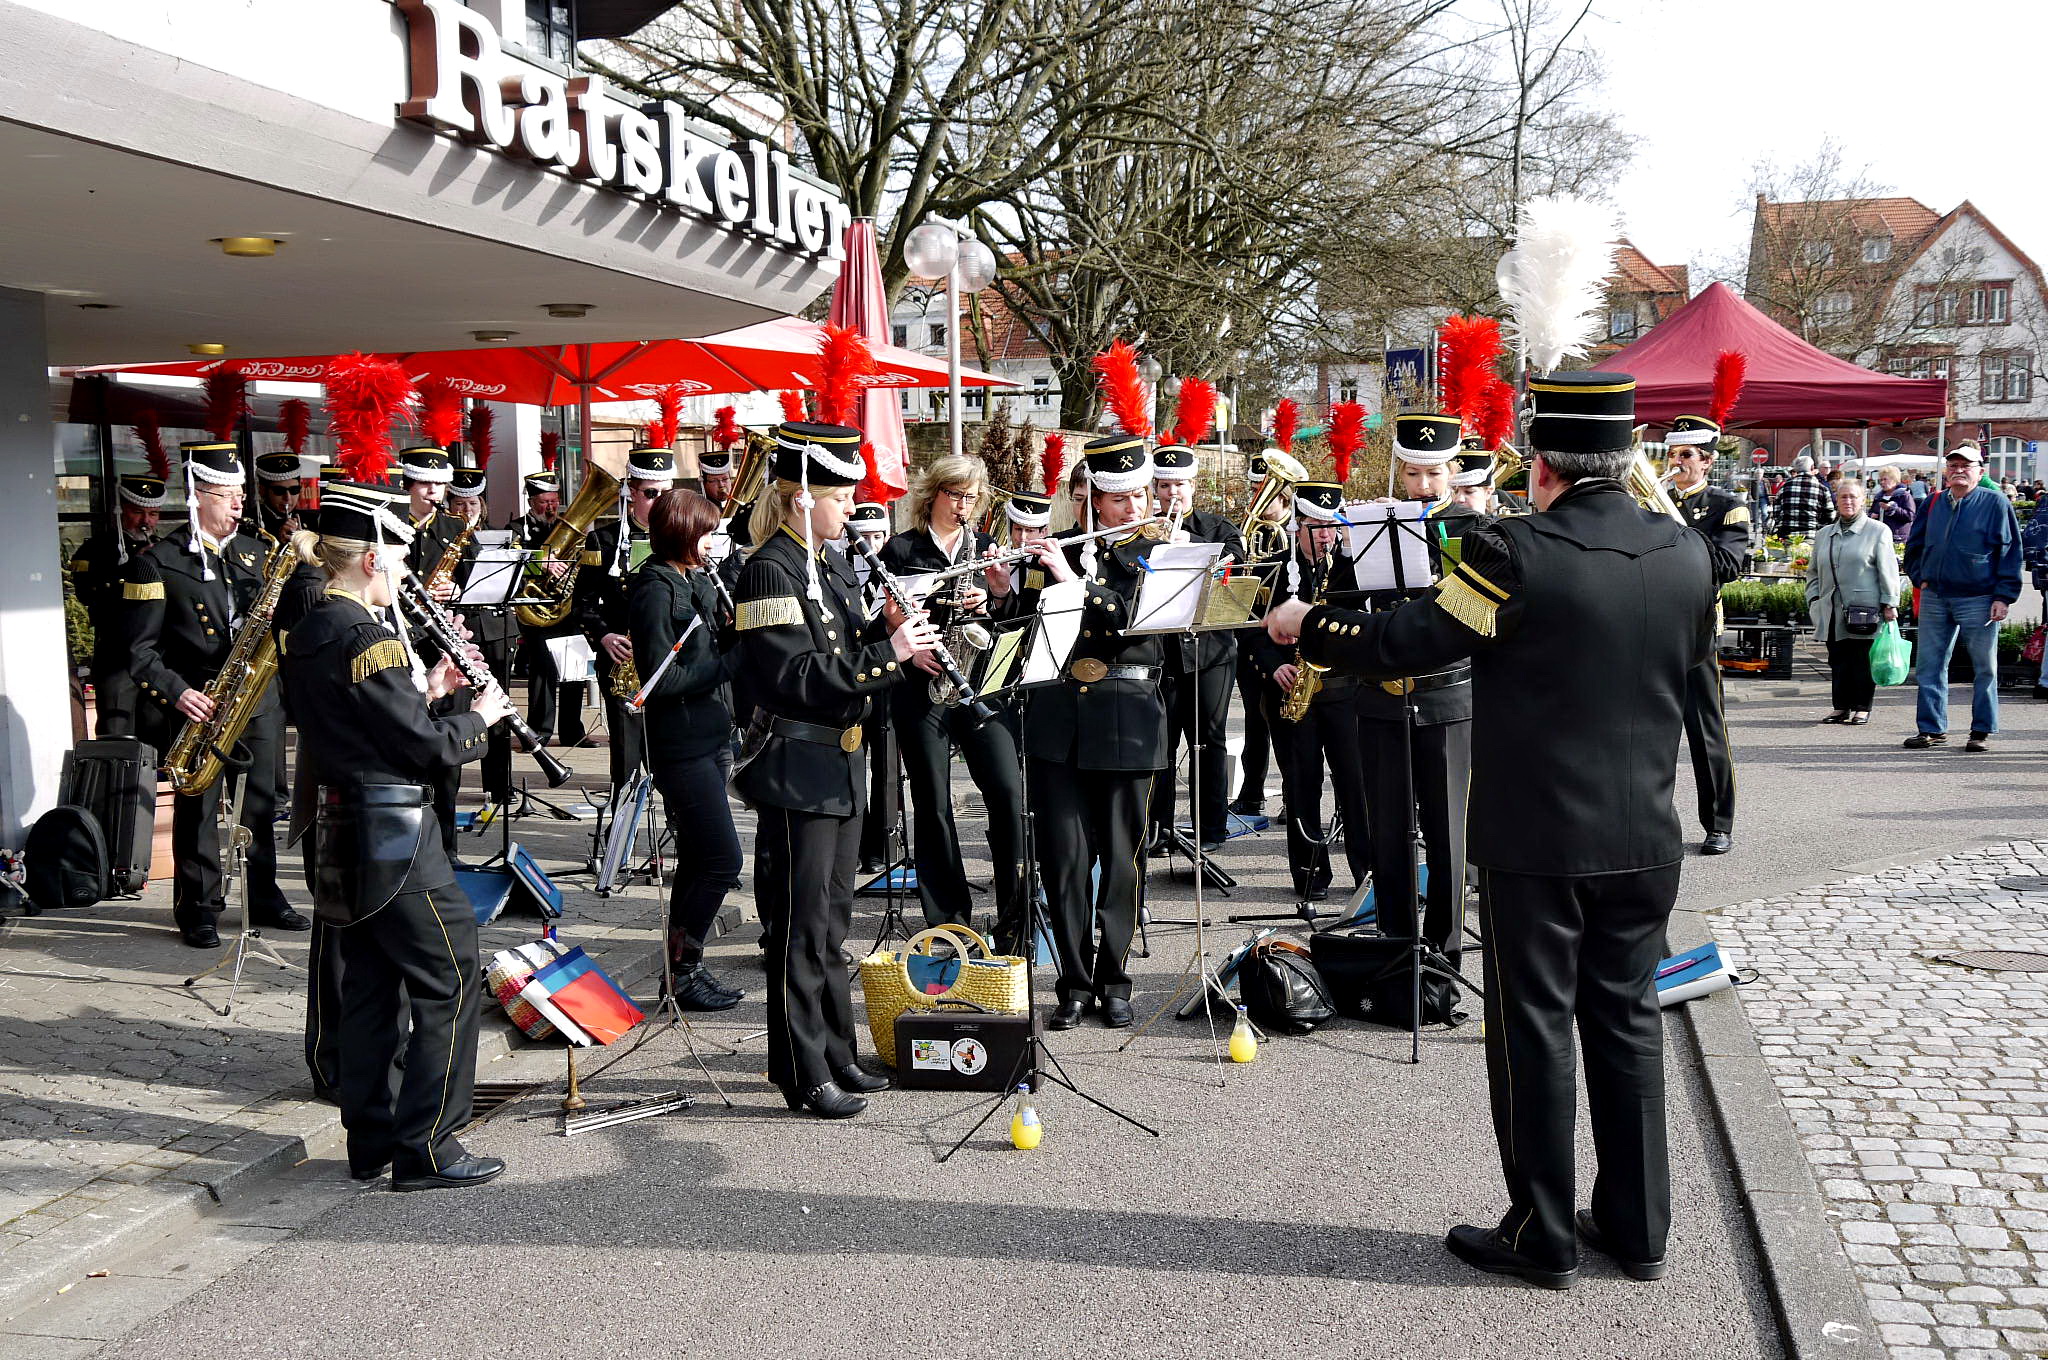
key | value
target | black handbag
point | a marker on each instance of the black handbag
(1372, 977)
(1283, 993)
(1862, 620)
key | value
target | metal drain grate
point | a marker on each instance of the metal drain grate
(1999, 960)
(2024, 883)
(494, 1096)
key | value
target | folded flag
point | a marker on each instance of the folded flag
(580, 990)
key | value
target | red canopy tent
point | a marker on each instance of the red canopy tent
(1791, 384)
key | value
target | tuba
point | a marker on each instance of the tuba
(195, 760)
(747, 479)
(1648, 488)
(564, 543)
(1262, 538)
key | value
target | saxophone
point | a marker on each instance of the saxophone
(193, 763)
(963, 635)
(1308, 676)
(451, 556)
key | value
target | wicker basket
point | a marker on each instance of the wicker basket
(512, 969)
(994, 982)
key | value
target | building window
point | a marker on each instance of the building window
(1817, 252)
(2005, 377)
(973, 399)
(550, 31)
(1833, 307)
(1877, 249)
(1918, 365)
(1933, 307)
(938, 333)
(1990, 304)
(905, 395)
(2008, 457)
(1041, 392)
(899, 335)
(1347, 389)
(1621, 323)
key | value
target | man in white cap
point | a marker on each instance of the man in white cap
(1964, 553)
(610, 555)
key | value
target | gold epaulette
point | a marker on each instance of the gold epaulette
(142, 590)
(1739, 515)
(1471, 599)
(592, 558)
(381, 655)
(773, 611)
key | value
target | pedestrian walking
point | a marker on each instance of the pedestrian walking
(1852, 589)
(1964, 554)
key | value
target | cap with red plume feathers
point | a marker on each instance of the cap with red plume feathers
(1116, 371)
(150, 431)
(1286, 420)
(726, 431)
(364, 395)
(1052, 462)
(1495, 421)
(792, 405)
(843, 359)
(1347, 437)
(1468, 360)
(872, 488)
(550, 448)
(227, 401)
(479, 441)
(1195, 412)
(295, 420)
(662, 430)
(1731, 367)
(440, 412)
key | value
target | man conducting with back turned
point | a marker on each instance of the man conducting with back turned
(1581, 623)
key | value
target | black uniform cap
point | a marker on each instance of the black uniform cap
(1588, 412)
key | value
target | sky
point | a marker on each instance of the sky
(1934, 101)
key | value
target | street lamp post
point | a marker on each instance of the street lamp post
(939, 248)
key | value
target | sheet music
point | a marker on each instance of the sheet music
(1389, 545)
(1171, 592)
(493, 574)
(1060, 606)
(997, 670)
(574, 661)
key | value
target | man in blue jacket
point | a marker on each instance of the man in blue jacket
(1964, 553)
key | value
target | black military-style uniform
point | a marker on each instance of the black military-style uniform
(928, 733)
(384, 887)
(812, 665)
(553, 709)
(180, 628)
(433, 534)
(1096, 741)
(494, 629)
(1722, 519)
(600, 609)
(1197, 680)
(96, 575)
(1326, 738)
(1581, 623)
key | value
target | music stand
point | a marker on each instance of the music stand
(235, 839)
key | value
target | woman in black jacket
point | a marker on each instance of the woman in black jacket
(689, 731)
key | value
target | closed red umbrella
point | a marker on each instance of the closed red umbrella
(858, 301)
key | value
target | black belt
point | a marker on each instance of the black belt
(845, 738)
(1088, 670)
(1421, 684)
(376, 795)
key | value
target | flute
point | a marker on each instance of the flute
(977, 708)
(428, 615)
(1003, 557)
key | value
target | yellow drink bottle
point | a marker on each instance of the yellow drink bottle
(1025, 1130)
(1244, 1044)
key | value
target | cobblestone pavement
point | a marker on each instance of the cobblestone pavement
(1919, 1088)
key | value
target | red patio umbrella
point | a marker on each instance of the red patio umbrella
(858, 301)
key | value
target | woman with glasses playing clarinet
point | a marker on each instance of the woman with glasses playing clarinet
(942, 536)
(672, 600)
(812, 662)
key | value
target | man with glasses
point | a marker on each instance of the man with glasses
(610, 556)
(1719, 517)
(279, 484)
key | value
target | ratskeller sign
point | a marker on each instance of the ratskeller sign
(464, 82)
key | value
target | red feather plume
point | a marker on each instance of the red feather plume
(480, 422)
(1195, 412)
(1347, 437)
(1468, 359)
(1116, 370)
(227, 401)
(150, 431)
(1286, 420)
(662, 430)
(550, 448)
(364, 395)
(295, 420)
(1052, 462)
(1731, 367)
(872, 487)
(726, 432)
(1495, 424)
(792, 406)
(440, 412)
(843, 359)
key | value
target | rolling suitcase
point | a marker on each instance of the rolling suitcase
(115, 779)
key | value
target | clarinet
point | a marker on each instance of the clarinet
(977, 708)
(430, 618)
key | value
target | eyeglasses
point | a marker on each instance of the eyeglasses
(962, 496)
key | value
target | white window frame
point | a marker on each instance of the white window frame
(1877, 249)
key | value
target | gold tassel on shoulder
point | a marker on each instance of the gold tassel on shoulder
(1458, 599)
(387, 654)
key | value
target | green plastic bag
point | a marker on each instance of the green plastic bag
(1891, 656)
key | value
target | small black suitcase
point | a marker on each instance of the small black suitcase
(960, 1047)
(115, 779)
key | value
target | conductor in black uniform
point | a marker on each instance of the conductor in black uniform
(382, 879)
(1721, 518)
(1581, 623)
(97, 569)
(611, 554)
(813, 663)
(546, 694)
(185, 597)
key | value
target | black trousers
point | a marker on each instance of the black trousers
(197, 884)
(1091, 820)
(803, 888)
(1198, 697)
(879, 825)
(1706, 735)
(553, 709)
(1325, 739)
(1584, 949)
(1436, 776)
(496, 771)
(1258, 731)
(418, 956)
(628, 731)
(708, 854)
(1849, 670)
(927, 734)
(113, 701)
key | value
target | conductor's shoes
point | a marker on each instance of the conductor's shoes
(468, 1169)
(1068, 1013)
(854, 1077)
(1717, 843)
(1485, 1249)
(201, 936)
(827, 1102)
(284, 918)
(1589, 1233)
(368, 1166)
(1116, 1012)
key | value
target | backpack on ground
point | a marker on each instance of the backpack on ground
(66, 859)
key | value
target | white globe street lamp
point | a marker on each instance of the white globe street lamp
(939, 249)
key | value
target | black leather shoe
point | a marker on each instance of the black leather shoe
(1589, 1233)
(697, 990)
(1717, 843)
(1213, 844)
(1248, 807)
(853, 1077)
(327, 1095)
(368, 1166)
(284, 918)
(1068, 1013)
(201, 936)
(468, 1169)
(1485, 1249)
(1920, 741)
(1116, 1012)
(826, 1102)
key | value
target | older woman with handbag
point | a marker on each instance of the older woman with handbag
(1852, 589)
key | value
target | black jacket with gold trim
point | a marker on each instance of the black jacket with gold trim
(601, 592)
(1447, 697)
(1722, 519)
(180, 626)
(1581, 623)
(1108, 723)
(96, 575)
(1217, 647)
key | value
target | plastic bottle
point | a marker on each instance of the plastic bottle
(1244, 1043)
(1025, 1130)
